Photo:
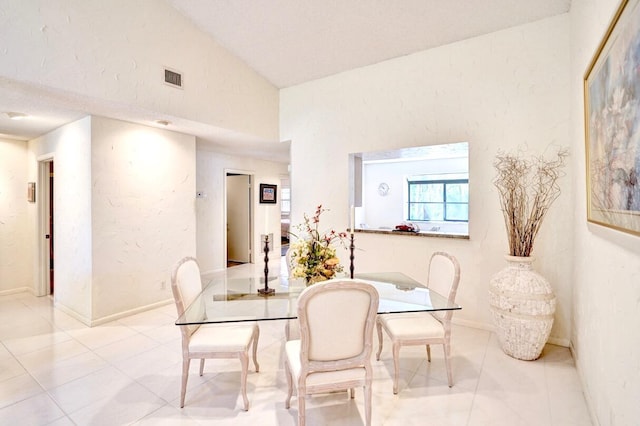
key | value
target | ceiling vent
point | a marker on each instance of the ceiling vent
(172, 78)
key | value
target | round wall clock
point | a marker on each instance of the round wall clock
(383, 189)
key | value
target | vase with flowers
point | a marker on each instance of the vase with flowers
(522, 301)
(313, 255)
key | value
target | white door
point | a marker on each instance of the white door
(44, 197)
(238, 218)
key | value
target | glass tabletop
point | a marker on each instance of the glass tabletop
(237, 299)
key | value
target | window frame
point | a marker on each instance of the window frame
(444, 202)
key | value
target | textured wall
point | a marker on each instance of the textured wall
(143, 213)
(15, 245)
(606, 317)
(71, 147)
(501, 91)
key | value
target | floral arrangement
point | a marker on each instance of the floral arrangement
(527, 188)
(314, 254)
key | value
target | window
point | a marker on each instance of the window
(285, 201)
(428, 185)
(438, 200)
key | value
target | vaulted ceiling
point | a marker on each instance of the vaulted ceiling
(290, 42)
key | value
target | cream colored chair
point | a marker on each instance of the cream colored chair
(337, 319)
(422, 328)
(291, 327)
(213, 340)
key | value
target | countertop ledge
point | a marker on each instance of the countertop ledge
(412, 234)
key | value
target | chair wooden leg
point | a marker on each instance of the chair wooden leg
(379, 327)
(244, 361)
(447, 361)
(287, 371)
(367, 404)
(256, 336)
(429, 353)
(185, 375)
(301, 408)
(201, 366)
(352, 393)
(396, 366)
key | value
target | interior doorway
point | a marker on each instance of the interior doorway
(51, 230)
(238, 197)
(46, 226)
(285, 214)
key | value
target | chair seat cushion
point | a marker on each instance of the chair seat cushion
(221, 338)
(325, 378)
(413, 326)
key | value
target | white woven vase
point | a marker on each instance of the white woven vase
(522, 305)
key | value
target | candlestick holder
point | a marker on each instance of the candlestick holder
(351, 257)
(266, 291)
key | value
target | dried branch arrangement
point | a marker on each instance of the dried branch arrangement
(527, 188)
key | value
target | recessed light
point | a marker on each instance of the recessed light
(16, 115)
(163, 122)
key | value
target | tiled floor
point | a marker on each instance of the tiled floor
(54, 370)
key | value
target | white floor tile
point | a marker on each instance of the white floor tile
(18, 388)
(37, 410)
(67, 370)
(102, 335)
(55, 370)
(10, 368)
(22, 345)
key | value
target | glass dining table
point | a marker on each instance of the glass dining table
(228, 300)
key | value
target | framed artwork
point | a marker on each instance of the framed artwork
(31, 192)
(268, 193)
(612, 124)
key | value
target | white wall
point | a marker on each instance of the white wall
(143, 213)
(116, 51)
(71, 147)
(211, 172)
(16, 254)
(501, 91)
(124, 211)
(606, 319)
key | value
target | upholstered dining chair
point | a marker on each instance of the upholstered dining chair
(337, 318)
(423, 328)
(212, 340)
(291, 327)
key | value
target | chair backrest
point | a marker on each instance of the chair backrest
(337, 318)
(186, 284)
(444, 277)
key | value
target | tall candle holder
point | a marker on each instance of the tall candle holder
(351, 257)
(266, 290)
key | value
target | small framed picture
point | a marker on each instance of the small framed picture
(31, 192)
(268, 193)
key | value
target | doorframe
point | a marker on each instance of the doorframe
(43, 191)
(252, 179)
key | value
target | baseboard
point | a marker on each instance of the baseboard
(134, 311)
(86, 321)
(472, 324)
(558, 341)
(214, 271)
(17, 290)
(92, 323)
